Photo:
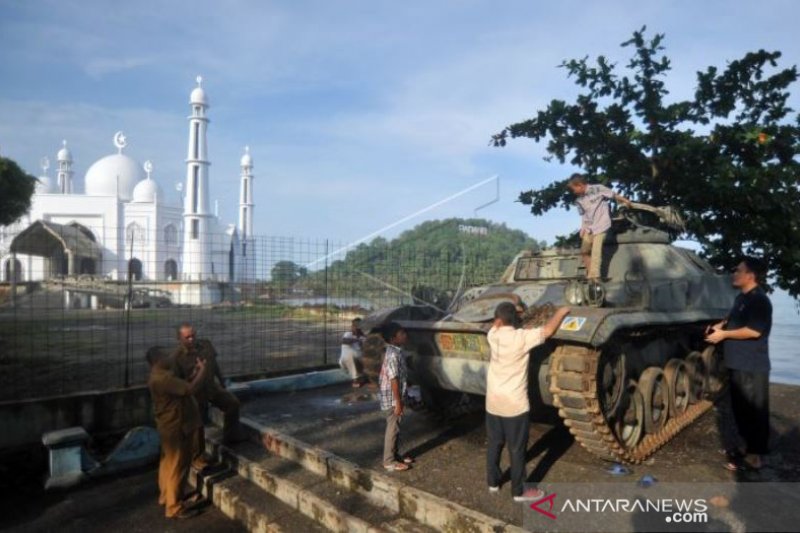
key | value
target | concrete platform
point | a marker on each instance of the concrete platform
(450, 456)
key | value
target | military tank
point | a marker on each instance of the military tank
(627, 369)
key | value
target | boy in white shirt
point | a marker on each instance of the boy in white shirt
(351, 351)
(507, 405)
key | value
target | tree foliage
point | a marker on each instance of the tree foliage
(285, 274)
(727, 157)
(16, 190)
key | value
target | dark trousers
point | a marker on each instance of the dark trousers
(511, 431)
(750, 405)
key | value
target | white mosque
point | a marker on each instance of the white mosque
(123, 224)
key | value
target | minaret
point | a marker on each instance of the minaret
(196, 214)
(248, 263)
(64, 177)
(246, 197)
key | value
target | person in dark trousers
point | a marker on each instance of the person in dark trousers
(745, 340)
(507, 404)
(211, 391)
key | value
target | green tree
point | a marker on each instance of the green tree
(16, 190)
(285, 274)
(728, 157)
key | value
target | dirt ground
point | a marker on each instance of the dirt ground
(451, 455)
(54, 352)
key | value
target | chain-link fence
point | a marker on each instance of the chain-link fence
(77, 314)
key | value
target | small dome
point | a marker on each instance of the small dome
(247, 160)
(44, 185)
(147, 191)
(64, 154)
(113, 175)
(199, 97)
(198, 94)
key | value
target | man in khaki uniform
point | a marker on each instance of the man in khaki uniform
(177, 420)
(212, 389)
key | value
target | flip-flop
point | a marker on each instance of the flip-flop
(740, 466)
(407, 460)
(396, 467)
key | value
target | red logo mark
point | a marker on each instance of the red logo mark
(549, 499)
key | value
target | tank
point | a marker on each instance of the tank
(627, 369)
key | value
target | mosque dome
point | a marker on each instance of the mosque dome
(146, 191)
(247, 159)
(44, 185)
(198, 96)
(114, 175)
(64, 154)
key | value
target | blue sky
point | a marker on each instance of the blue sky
(357, 113)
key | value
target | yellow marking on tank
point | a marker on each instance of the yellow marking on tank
(573, 323)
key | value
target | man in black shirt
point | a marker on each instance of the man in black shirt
(745, 339)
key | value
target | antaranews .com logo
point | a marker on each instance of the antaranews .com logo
(686, 511)
(625, 506)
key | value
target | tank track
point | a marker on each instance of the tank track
(573, 383)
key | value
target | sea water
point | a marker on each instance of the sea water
(784, 341)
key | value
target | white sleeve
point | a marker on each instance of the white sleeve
(532, 338)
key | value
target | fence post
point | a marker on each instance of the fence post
(325, 311)
(128, 317)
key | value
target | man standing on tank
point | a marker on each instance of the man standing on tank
(592, 202)
(745, 339)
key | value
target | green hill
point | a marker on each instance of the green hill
(429, 261)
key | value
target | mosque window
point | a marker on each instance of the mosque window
(196, 140)
(195, 228)
(170, 234)
(134, 233)
(194, 188)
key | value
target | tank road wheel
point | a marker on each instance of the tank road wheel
(629, 422)
(698, 377)
(655, 394)
(676, 375)
(611, 380)
(712, 358)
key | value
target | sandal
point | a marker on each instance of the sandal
(396, 467)
(740, 466)
(407, 460)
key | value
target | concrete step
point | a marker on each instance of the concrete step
(355, 511)
(338, 494)
(245, 502)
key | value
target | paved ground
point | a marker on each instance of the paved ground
(450, 463)
(450, 456)
(126, 503)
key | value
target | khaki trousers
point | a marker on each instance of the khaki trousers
(593, 244)
(173, 468)
(391, 438)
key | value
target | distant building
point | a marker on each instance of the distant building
(122, 222)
